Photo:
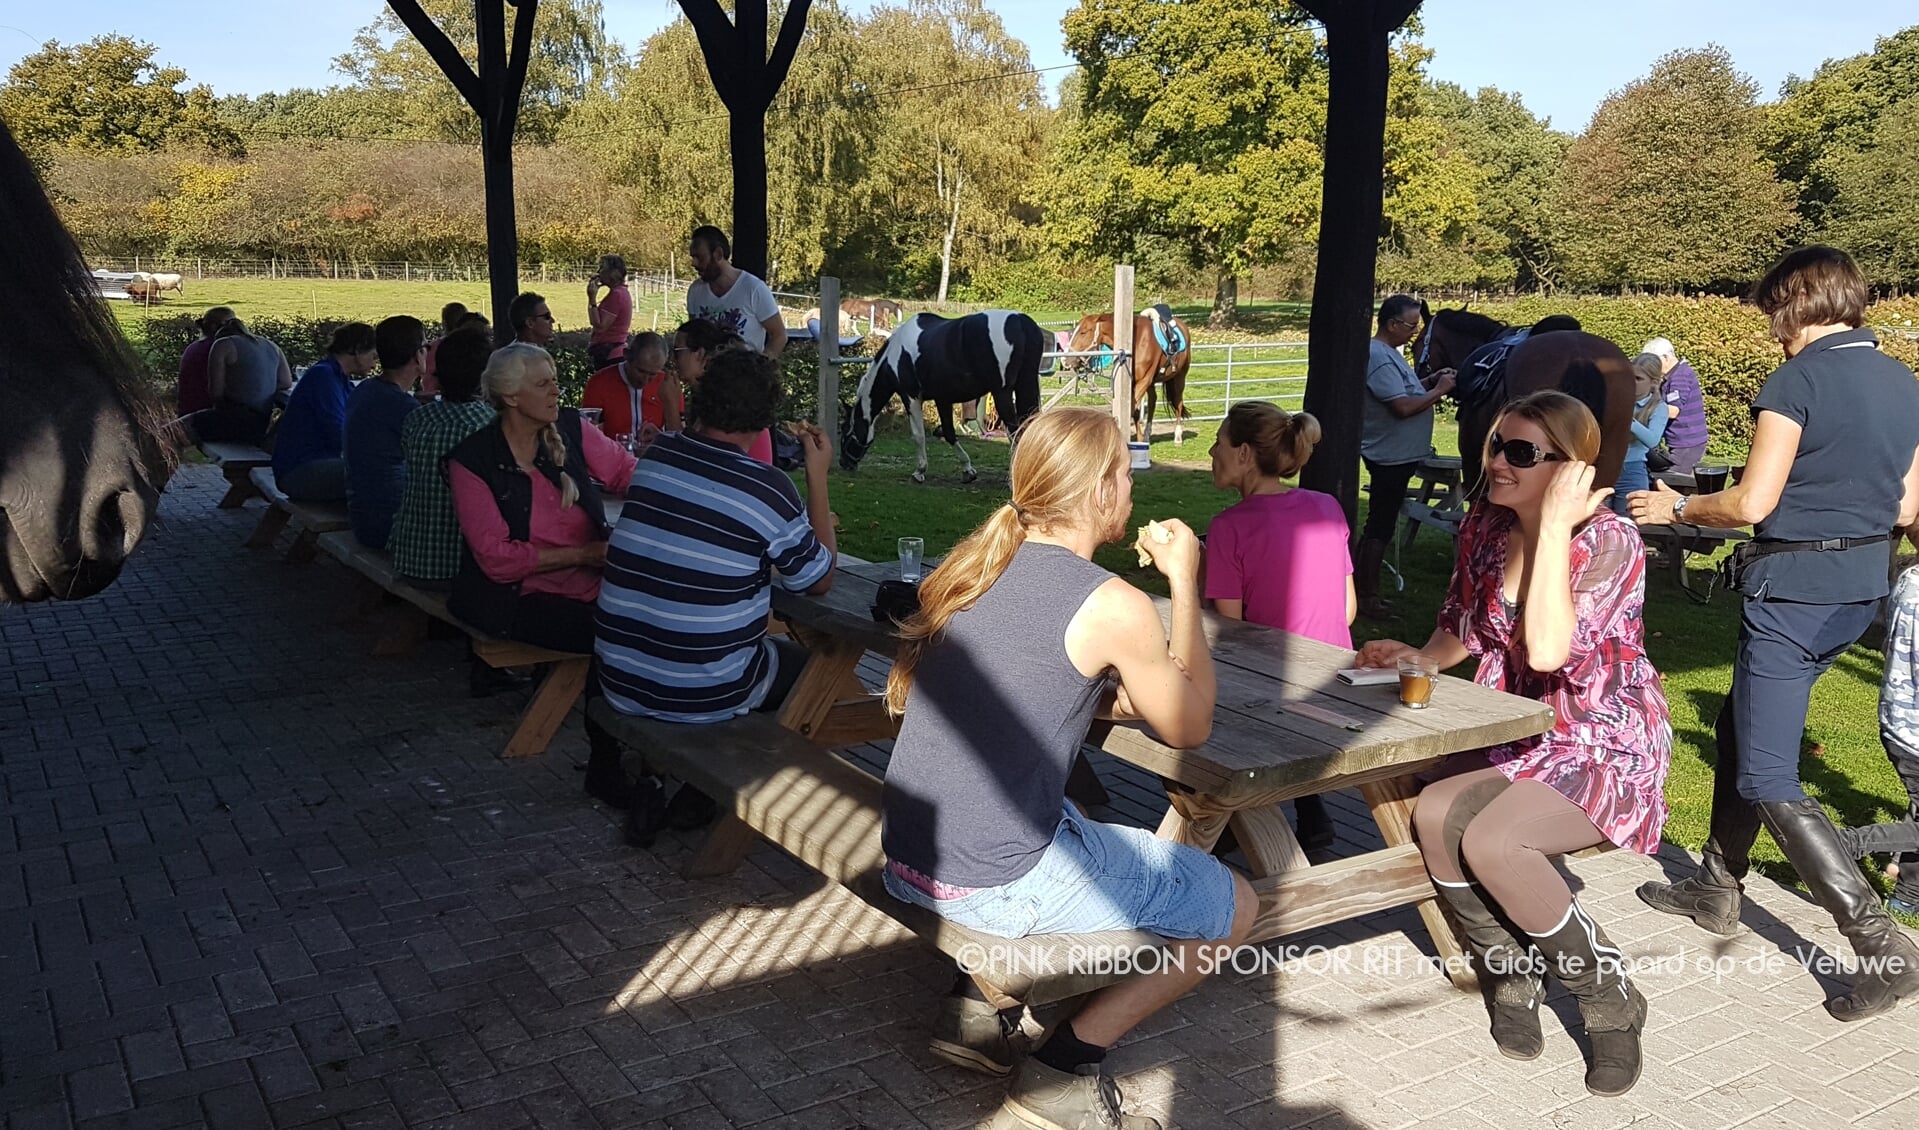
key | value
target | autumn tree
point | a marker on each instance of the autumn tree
(1517, 157)
(1874, 206)
(1668, 187)
(107, 95)
(1817, 122)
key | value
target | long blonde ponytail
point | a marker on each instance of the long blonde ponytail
(1063, 457)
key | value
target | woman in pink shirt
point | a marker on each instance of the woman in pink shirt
(527, 493)
(1279, 555)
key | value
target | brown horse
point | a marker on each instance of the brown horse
(880, 313)
(1152, 366)
(81, 464)
(1589, 368)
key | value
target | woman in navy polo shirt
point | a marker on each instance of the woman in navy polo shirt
(1832, 470)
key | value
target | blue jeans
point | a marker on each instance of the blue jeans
(1632, 476)
(1096, 877)
(1784, 647)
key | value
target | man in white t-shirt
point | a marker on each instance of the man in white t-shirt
(730, 297)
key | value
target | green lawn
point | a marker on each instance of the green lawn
(367, 301)
(1691, 645)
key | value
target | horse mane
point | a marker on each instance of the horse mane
(1469, 322)
(55, 313)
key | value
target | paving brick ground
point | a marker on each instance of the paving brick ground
(250, 877)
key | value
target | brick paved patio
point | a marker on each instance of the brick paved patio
(250, 877)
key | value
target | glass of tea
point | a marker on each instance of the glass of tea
(1416, 675)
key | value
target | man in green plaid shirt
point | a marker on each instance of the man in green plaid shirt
(425, 542)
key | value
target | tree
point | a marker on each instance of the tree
(1198, 123)
(1817, 121)
(1874, 210)
(107, 95)
(1668, 187)
(569, 55)
(746, 78)
(492, 88)
(1518, 156)
(1358, 33)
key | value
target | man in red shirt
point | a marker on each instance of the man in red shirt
(611, 316)
(635, 387)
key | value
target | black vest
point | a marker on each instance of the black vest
(477, 600)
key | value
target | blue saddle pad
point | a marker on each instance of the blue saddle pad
(1164, 330)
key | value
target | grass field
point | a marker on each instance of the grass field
(1690, 644)
(360, 300)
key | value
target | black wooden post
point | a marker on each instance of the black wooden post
(1352, 200)
(746, 79)
(494, 94)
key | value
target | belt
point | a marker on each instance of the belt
(1830, 545)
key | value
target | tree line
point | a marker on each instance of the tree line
(913, 149)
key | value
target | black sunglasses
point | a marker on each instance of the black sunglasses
(1521, 453)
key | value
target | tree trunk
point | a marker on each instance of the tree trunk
(502, 230)
(1353, 196)
(746, 134)
(1225, 300)
(946, 247)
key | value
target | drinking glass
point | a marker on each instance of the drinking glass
(912, 552)
(1710, 478)
(1416, 675)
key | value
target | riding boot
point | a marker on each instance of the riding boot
(1372, 557)
(1593, 971)
(1889, 961)
(1712, 896)
(1508, 971)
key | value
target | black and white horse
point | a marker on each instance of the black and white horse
(947, 361)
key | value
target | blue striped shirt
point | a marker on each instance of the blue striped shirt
(689, 572)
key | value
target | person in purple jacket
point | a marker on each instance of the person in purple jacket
(1686, 435)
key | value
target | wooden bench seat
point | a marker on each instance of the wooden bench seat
(771, 782)
(565, 672)
(308, 519)
(237, 462)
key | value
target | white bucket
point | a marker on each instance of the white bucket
(1142, 454)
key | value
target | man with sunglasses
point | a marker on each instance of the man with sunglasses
(1396, 437)
(532, 321)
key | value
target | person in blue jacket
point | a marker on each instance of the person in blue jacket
(1649, 419)
(308, 451)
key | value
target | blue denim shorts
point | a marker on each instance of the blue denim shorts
(1096, 877)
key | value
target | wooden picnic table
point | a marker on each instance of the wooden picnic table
(1285, 727)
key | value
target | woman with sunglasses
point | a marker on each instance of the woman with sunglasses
(1832, 471)
(694, 344)
(1548, 593)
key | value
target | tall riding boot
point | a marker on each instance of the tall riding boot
(1593, 971)
(1372, 556)
(1508, 971)
(1889, 961)
(1711, 897)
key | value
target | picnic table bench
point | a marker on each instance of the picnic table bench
(565, 672)
(237, 462)
(308, 519)
(1284, 728)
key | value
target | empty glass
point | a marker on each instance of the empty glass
(912, 552)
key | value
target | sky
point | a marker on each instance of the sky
(1511, 44)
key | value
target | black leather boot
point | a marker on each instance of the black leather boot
(1508, 971)
(606, 778)
(1372, 557)
(1889, 961)
(1593, 971)
(1712, 896)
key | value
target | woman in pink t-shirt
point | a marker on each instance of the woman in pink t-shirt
(1279, 555)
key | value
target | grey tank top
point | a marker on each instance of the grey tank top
(253, 372)
(995, 717)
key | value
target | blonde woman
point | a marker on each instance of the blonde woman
(1549, 594)
(1016, 648)
(527, 495)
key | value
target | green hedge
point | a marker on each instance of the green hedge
(1726, 341)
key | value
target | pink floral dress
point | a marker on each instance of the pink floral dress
(1611, 741)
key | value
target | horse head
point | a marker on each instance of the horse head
(859, 421)
(81, 462)
(1086, 335)
(1448, 336)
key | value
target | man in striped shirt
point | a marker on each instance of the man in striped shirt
(705, 534)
